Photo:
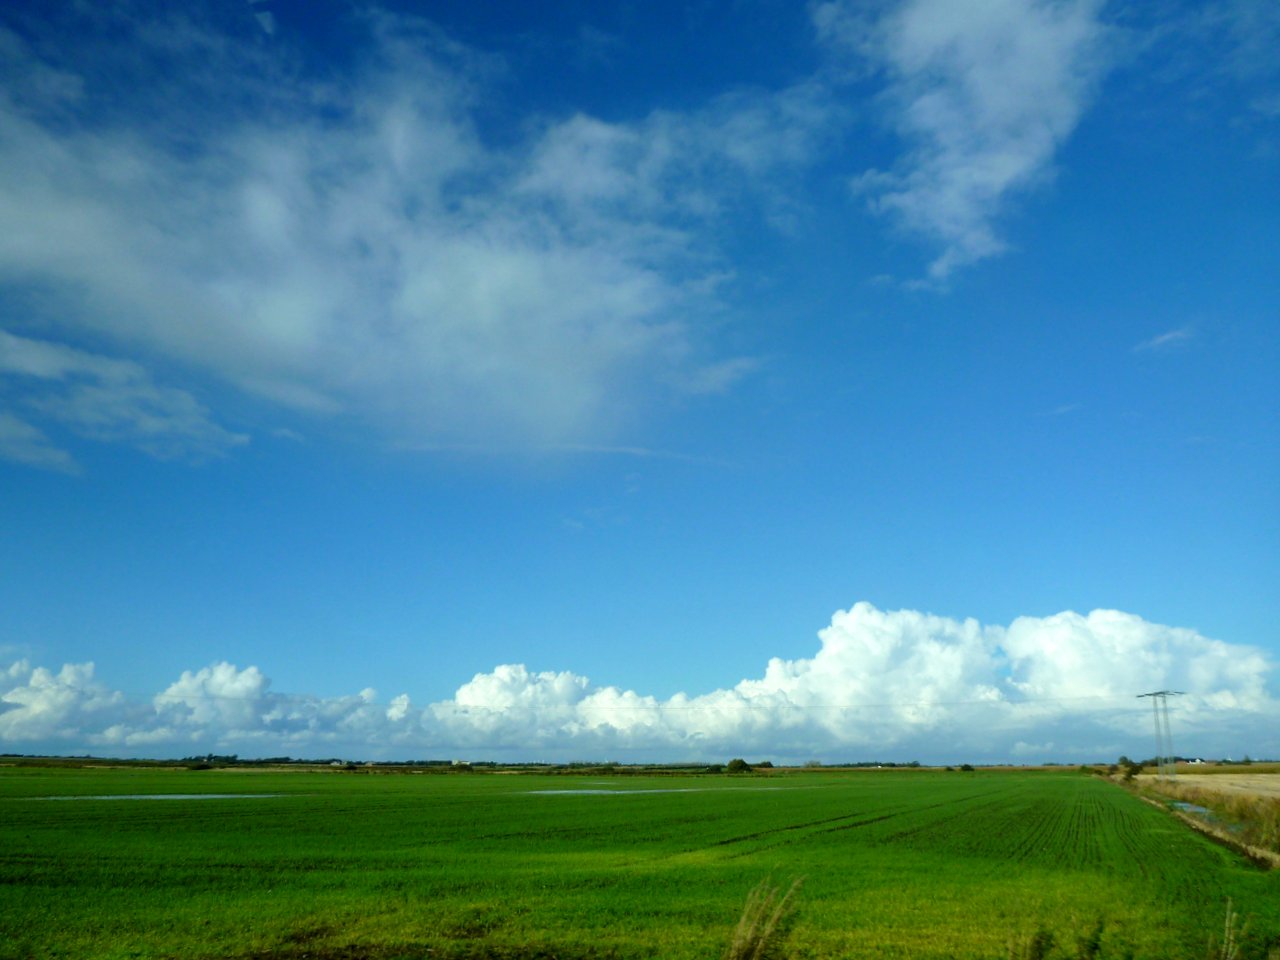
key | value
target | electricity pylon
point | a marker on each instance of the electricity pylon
(1166, 763)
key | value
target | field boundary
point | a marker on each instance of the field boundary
(1263, 858)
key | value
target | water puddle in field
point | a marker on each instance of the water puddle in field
(1207, 815)
(603, 792)
(168, 796)
(614, 793)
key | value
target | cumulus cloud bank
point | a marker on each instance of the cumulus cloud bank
(882, 684)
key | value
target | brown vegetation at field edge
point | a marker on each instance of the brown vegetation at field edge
(1247, 819)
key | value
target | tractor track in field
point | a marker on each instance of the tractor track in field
(850, 821)
(790, 828)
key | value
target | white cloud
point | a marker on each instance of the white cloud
(882, 684)
(361, 251)
(228, 705)
(984, 95)
(219, 695)
(37, 704)
(654, 162)
(1110, 654)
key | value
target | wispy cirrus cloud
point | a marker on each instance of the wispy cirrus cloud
(22, 442)
(100, 398)
(360, 250)
(983, 96)
(881, 684)
(1228, 44)
(1170, 339)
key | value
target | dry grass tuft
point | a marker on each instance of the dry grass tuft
(1232, 931)
(760, 927)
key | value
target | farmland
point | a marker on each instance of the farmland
(1241, 808)
(345, 864)
(1249, 784)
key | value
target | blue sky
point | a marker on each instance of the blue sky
(666, 381)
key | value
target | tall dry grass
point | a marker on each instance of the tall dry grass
(761, 927)
(1229, 948)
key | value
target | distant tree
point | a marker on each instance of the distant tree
(764, 765)
(967, 767)
(738, 765)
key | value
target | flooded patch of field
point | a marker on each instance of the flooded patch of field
(167, 796)
(602, 792)
(605, 792)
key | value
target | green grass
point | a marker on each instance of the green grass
(908, 864)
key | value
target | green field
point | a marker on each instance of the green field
(895, 863)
